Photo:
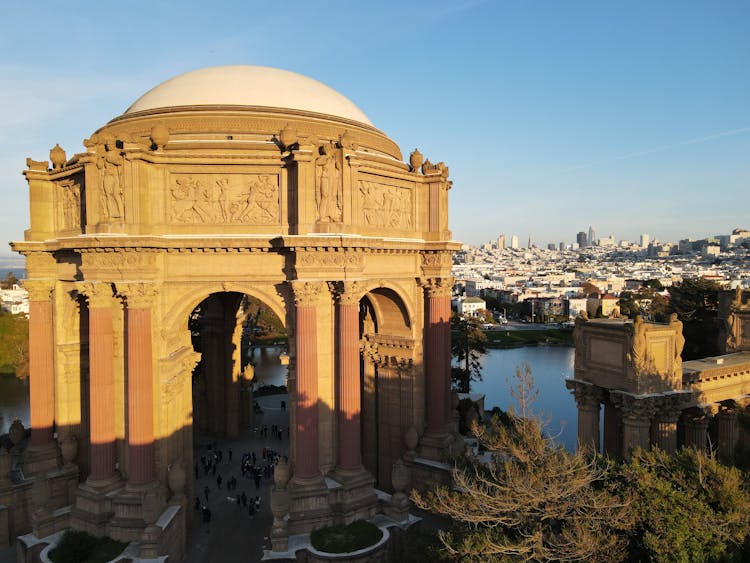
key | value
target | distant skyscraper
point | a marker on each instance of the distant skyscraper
(501, 241)
(645, 239)
(592, 236)
(581, 240)
(531, 244)
(562, 246)
(514, 241)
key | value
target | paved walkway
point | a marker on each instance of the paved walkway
(232, 534)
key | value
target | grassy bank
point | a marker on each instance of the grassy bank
(516, 338)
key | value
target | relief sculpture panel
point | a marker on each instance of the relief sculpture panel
(224, 199)
(68, 205)
(385, 206)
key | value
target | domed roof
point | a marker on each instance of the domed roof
(242, 85)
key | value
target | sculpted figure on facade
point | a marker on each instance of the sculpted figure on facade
(69, 205)
(638, 348)
(110, 171)
(329, 187)
(679, 343)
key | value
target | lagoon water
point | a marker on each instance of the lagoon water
(550, 365)
(14, 401)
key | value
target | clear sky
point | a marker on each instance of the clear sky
(552, 115)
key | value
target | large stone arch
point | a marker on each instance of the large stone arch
(169, 204)
(176, 315)
(388, 379)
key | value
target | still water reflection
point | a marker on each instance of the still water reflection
(268, 368)
(550, 365)
(14, 401)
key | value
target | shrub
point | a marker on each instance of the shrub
(345, 539)
(79, 547)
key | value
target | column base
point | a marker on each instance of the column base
(355, 499)
(398, 507)
(92, 511)
(436, 447)
(134, 507)
(309, 505)
(42, 458)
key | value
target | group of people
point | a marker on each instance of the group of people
(250, 467)
(276, 432)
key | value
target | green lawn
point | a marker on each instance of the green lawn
(514, 338)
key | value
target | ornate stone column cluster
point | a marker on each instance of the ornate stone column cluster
(630, 421)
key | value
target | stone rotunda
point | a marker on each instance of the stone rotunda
(216, 184)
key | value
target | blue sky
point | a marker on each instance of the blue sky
(552, 115)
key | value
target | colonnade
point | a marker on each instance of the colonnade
(136, 471)
(663, 420)
(347, 298)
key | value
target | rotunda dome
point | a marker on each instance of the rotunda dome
(243, 85)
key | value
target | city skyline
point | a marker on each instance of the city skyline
(551, 118)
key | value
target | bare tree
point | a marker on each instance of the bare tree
(530, 499)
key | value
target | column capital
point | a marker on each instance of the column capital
(587, 395)
(437, 287)
(138, 295)
(347, 292)
(306, 293)
(39, 290)
(632, 408)
(99, 294)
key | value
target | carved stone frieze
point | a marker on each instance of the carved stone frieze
(119, 260)
(385, 206)
(224, 199)
(138, 295)
(306, 294)
(329, 259)
(437, 259)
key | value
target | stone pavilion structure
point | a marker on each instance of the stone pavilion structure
(650, 397)
(219, 183)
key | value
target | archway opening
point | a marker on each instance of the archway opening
(387, 381)
(240, 419)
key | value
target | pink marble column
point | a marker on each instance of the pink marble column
(588, 400)
(41, 367)
(306, 454)
(101, 380)
(438, 353)
(350, 452)
(139, 298)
